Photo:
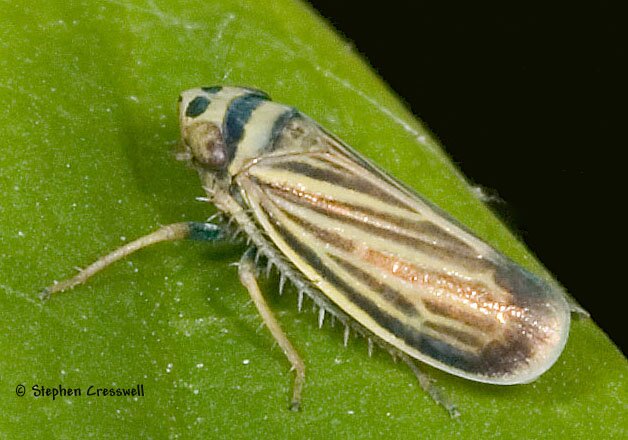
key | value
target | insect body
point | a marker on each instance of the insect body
(362, 245)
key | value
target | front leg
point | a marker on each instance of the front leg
(246, 270)
(172, 232)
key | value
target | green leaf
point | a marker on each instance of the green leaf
(88, 128)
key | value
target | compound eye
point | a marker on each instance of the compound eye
(207, 146)
(215, 156)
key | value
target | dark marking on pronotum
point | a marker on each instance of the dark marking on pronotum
(278, 126)
(236, 118)
(197, 106)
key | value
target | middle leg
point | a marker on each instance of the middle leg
(246, 270)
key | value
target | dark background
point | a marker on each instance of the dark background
(526, 100)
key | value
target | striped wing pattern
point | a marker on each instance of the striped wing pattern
(380, 260)
(376, 253)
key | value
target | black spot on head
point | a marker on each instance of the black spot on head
(212, 89)
(258, 93)
(196, 106)
(180, 98)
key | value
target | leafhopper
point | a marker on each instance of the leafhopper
(363, 246)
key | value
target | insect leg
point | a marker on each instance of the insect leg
(172, 232)
(426, 383)
(246, 270)
(576, 308)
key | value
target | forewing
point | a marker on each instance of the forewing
(397, 266)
